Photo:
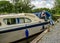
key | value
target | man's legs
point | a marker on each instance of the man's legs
(51, 21)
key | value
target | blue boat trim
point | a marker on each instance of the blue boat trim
(20, 28)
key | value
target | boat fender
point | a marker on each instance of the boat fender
(26, 33)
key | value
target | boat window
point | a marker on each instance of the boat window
(24, 20)
(21, 20)
(10, 21)
(27, 20)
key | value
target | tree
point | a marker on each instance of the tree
(40, 9)
(57, 2)
(5, 6)
(23, 6)
(57, 6)
(17, 6)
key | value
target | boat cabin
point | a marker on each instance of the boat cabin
(22, 18)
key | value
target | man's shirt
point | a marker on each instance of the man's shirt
(47, 14)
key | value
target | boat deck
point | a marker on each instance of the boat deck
(50, 37)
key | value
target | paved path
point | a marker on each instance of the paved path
(53, 36)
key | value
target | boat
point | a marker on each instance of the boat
(13, 26)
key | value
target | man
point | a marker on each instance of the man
(47, 16)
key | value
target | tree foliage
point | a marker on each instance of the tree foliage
(5, 6)
(57, 6)
(23, 6)
(17, 6)
(40, 9)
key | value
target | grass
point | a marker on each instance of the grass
(56, 16)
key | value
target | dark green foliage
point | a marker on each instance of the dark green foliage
(18, 6)
(57, 6)
(41, 9)
(56, 9)
(5, 6)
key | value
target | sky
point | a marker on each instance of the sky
(43, 3)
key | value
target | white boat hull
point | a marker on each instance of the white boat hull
(19, 34)
(16, 35)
